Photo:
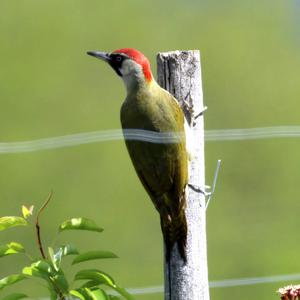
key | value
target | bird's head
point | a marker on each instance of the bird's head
(132, 65)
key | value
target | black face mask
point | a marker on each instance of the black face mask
(116, 61)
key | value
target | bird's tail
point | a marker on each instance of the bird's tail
(174, 228)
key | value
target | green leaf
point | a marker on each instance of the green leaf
(123, 292)
(92, 294)
(97, 294)
(52, 293)
(90, 284)
(11, 221)
(26, 212)
(95, 276)
(11, 279)
(11, 248)
(62, 251)
(112, 297)
(81, 293)
(15, 296)
(77, 294)
(80, 224)
(54, 261)
(44, 269)
(67, 250)
(61, 282)
(41, 269)
(93, 255)
(98, 277)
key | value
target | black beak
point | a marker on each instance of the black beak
(101, 55)
(107, 58)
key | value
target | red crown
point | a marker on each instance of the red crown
(139, 58)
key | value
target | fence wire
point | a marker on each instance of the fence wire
(223, 283)
(148, 136)
(219, 284)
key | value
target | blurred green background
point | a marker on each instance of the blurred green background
(49, 87)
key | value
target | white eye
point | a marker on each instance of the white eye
(118, 58)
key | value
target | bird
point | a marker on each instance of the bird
(161, 167)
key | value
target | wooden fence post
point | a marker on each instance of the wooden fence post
(179, 72)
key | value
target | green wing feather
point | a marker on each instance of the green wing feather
(162, 168)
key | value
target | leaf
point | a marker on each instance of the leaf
(95, 276)
(77, 294)
(61, 282)
(80, 224)
(15, 296)
(52, 293)
(11, 221)
(81, 294)
(41, 269)
(11, 279)
(11, 248)
(55, 262)
(90, 284)
(26, 212)
(93, 255)
(98, 277)
(123, 292)
(67, 250)
(62, 251)
(97, 294)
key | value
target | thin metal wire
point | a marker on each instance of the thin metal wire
(148, 136)
(253, 133)
(223, 283)
(210, 135)
(219, 283)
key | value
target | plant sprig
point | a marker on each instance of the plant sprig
(49, 266)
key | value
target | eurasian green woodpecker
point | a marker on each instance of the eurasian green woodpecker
(161, 167)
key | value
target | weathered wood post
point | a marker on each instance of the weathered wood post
(179, 72)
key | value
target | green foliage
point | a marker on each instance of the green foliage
(11, 279)
(15, 296)
(49, 268)
(11, 248)
(11, 221)
(88, 294)
(96, 277)
(93, 255)
(80, 224)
